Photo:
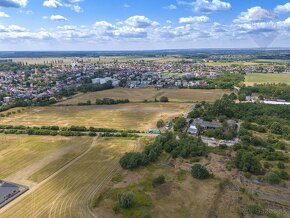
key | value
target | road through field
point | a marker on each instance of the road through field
(67, 193)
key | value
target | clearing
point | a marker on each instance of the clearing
(137, 116)
(149, 94)
(261, 78)
(68, 192)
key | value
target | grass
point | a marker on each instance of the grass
(69, 193)
(18, 152)
(123, 117)
(139, 95)
(260, 78)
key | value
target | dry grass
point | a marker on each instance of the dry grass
(20, 151)
(68, 193)
(139, 95)
(128, 116)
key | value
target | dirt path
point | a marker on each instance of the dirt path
(21, 176)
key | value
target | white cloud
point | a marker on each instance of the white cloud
(103, 24)
(126, 6)
(58, 18)
(72, 4)
(3, 14)
(283, 8)
(196, 19)
(52, 3)
(206, 6)
(140, 22)
(255, 14)
(170, 7)
(13, 3)
(12, 28)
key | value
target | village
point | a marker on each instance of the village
(49, 81)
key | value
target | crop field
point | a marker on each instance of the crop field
(137, 116)
(18, 152)
(139, 95)
(260, 78)
(68, 193)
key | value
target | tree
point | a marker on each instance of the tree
(164, 99)
(276, 128)
(199, 172)
(160, 123)
(179, 124)
(247, 162)
(126, 199)
(131, 160)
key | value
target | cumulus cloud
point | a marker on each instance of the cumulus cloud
(13, 3)
(255, 14)
(206, 6)
(72, 4)
(140, 22)
(3, 14)
(58, 17)
(283, 8)
(12, 28)
(196, 19)
(52, 3)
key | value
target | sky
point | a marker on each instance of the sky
(35, 25)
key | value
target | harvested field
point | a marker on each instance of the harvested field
(20, 151)
(68, 193)
(139, 95)
(127, 116)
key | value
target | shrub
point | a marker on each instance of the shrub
(158, 181)
(126, 199)
(199, 172)
(272, 178)
(164, 99)
(160, 124)
(256, 209)
(281, 165)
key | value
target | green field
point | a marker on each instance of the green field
(137, 116)
(260, 78)
(68, 193)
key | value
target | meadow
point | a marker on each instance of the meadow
(68, 193)
(149, 94)
(136, 116)
(260, 78)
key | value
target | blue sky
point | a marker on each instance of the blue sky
(143, 24)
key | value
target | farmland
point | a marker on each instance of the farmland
(149, 94)
(259, 78)
(20, 152)
(137, 116)
(67, 193)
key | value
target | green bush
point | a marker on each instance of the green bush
(199, 172)
(158, 181)
(256, 209)
(281, 165)
(126, 199)
(272, 178)
(164, 99)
